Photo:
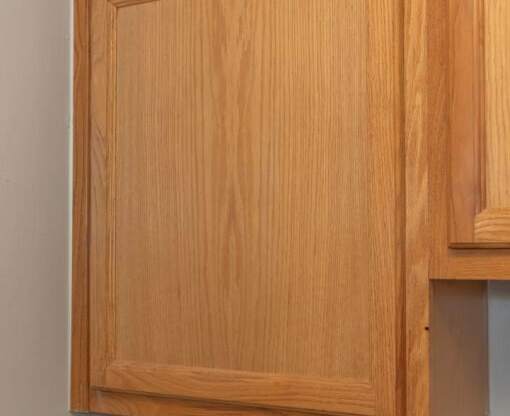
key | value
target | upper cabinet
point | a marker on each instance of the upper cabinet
(245, 220)
(480, 123)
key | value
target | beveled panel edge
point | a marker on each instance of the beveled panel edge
(492, 226)
(123, 404)
(271, 391)
(126, 3)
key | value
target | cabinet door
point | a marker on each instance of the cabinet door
(480, 124)
(246, 205)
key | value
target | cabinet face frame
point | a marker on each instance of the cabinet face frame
(81, 395)
(473, 223)
(79, 400)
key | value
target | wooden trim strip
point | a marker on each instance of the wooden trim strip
(125, 3)
(467, 124)
(102, 147)
(110, 195)
(418, 65)
(140, 405)
(80, 252)
(239, 387)
(386, 134)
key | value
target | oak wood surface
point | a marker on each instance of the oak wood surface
(120, 404)
(445, 262)
(126, 3)
(497, 105)
(421, 75)
(493, 225)
(386, 216)
(479, 149)
(467, 126)
(235, 230)
(80, 323)
(255, 389)
(101, 320)
(245, 189)
(459, 318)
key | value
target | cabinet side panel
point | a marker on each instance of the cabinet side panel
(80, 288)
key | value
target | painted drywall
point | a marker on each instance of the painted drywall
(499, 335)
(34, 208)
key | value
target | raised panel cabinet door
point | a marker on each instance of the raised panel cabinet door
(246, 207)
(480, 123)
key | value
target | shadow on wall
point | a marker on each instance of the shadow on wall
(499, 335)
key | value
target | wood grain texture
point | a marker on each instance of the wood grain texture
(438, 117)
(232, 228)
(126, 3)
(419, 65)
(384, 249)
(497, 107)
(256, 389)
(493, 226)
(459, 349)
(136, 405)
(467, 126)
(479, 99)
(228, 195)
(80, 322)
(449, 263)
(102, 329)
(459, 318)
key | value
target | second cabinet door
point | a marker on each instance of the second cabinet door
(480, 114)
(245, 205)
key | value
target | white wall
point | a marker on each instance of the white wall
(499, 332)
(34, 168)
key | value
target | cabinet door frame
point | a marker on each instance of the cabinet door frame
(472, 223)
(79, 394)
(85, 384)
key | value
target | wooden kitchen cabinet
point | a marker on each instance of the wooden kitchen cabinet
(480, 102)
(245, 205)
(273, 201)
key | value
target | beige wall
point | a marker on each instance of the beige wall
(34, 166)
